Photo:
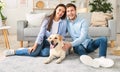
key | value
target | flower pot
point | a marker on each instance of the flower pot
(4, 22)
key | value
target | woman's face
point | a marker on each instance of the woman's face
(60, 12)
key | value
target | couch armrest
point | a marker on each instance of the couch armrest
(21, 24)
(112, 26)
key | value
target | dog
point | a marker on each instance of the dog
(56, 48)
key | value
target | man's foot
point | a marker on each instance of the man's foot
(9, 52)
(87, 60)
(105, 62)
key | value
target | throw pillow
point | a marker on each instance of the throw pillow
(100, 19)
(35, 19)
(99, 23)
(108, 16)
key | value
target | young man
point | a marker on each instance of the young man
(82, 44)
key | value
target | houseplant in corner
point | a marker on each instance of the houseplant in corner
(2, 4)
(100, 6)
(103, 10)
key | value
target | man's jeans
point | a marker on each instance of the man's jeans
(41, 50)
(100, 43)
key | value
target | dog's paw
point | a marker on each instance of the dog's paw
(58, 61)
(46, 62)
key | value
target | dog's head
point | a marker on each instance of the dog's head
(54, 40)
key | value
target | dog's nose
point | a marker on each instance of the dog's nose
(52, 42)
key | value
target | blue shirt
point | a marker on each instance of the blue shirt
(44, 32)
(78, 29)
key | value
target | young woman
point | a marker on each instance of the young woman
(55, 23)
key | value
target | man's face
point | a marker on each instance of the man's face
(71, 13)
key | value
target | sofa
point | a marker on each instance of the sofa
(29, 33)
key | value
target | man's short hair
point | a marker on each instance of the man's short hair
(70, 5)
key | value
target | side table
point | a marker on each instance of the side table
(4, 24)
(4, 30)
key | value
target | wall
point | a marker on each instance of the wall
(118, 16)
(16, 13)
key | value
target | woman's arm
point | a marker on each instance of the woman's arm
(40, 36)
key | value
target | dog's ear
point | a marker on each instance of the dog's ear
(60, 37)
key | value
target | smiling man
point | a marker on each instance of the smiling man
(82, 43)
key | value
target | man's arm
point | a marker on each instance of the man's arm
(83, 34)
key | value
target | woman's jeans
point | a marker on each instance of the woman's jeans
(41, 50)
(100, 43)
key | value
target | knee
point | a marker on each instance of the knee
(103, 39)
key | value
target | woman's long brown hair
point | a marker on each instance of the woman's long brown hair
(51, 17)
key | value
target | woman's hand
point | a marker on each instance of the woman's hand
(32, 49)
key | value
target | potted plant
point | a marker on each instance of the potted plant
(2, 4)
(73, 1)
(100, 6)
(101, 12)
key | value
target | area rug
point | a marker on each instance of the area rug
(35, 64)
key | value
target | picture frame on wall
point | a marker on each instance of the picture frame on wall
(45, 4)
(23, 3)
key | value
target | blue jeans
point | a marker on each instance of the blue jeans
(100, 43)
(41, 50)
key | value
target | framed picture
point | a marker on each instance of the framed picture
(23, 3)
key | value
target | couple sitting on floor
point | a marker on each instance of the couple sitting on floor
(82, 44)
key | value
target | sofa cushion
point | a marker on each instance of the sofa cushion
(99, 31)
(31, 31)
(35, 19)
(100, 19)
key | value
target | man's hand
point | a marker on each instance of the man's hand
(67, 45)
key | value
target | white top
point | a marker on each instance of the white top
(55, 27)
(4, 27)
